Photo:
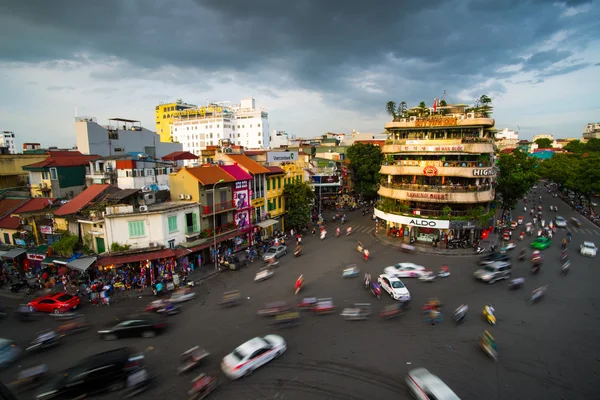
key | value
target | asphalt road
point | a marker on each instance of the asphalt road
(548, 350)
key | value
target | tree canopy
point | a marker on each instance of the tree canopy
(575, 146)
(517, 173)
(365, 163)
(299, 198)
(544, 143)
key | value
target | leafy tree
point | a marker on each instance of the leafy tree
(544, 143)
(365, 162)
(66, 245)
(299, 198)
(423, 109)
(517, 173)
(484, 105)
(443, 104)
(592, 145)
(575, 146)
(390, 108)
(402, 110)
(560, 168)
(585, 179)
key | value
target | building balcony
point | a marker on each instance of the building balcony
(438, 194)
(450, 169)
(476, 146)
(219, 230)
(440, 122)
(218, 208)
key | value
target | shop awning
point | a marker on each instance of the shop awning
(267, 223)
(182, 252)
(14, 253)
(82, 264)
(55, 260)
(131, 258)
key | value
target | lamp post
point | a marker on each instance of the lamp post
(215, 254)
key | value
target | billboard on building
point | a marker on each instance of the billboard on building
(241, 199)
(282, 156)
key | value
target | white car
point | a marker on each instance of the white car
(405, 270)
(424, 385)
(588, 249)
(251, 355)
(560, 222)
(394, 287)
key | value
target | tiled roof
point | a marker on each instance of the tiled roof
(209, 175)
(275, 170)
(9, 205)
(122, 194)
(36, 204)
(248, 164)
(238, 173)
(254, 152)
(81, 200)
(180, 155)
(63, 159)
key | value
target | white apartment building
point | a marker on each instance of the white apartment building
(543, 136)
(7, 139)
(507, 134)
(119, 137)
(243, 125)
(591, 131)
(280, 139)
(128, 172)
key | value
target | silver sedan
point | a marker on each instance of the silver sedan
(274, 252)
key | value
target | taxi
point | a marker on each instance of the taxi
(251, 355)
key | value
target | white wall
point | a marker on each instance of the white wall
(156, 227)
(507, 134)
(138, 182)
(92, 138)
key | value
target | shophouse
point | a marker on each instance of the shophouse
(61, 175)
(12, 174)
(275, 199)
(437, 176)
(129, 172)
(12, 229)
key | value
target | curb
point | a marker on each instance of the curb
(432, 250)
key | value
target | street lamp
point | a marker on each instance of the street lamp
(215, 254)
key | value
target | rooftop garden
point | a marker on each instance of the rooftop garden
(482, 108)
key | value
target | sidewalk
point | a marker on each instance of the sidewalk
(423, 248)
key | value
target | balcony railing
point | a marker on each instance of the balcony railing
(219, 207)
(219, 230)
(447, 140)
(419, 211)
(438, 188)
(437, 163)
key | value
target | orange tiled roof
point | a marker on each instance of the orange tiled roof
(63, 159)
(81, 200)
(275, 170)
(39, 203)
(209, 175)
(248, 164)
(9, 205)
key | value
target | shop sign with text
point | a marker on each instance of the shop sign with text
(434, 196)
(430, 170)
(436, 121)
(433, 148)
(412, 221)
(282, 156)
(46, 230)
(484, 172)
(35, 257)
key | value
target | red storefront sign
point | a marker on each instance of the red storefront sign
(35, 257)
(430, 170)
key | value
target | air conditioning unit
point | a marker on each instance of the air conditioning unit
(49, 216)
(412, 119)
(188, 196)
(153, 244)
(461, 116)
(143, 208)
(43, 185)
(470, 115)
(182, 197)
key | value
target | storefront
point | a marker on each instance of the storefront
(267, 227)
(412, 228)
(14, 259)
(33, 262)
(149, 265)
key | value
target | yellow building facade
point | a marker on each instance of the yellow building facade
(275, 199)
(164, 114)
(294, 172)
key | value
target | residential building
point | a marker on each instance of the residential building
(218, 124)
(437, 175)
(526, 146)
(12, 174)
(163, 114)
(281, 139)
(61, 175)
(275, 200)
(359, 137)
(129, 172)
(506, 139)
(179, 158)
(543, 136)
(560, 143)
(7, 139)
(119, 137)
(165, 225)
(11, 227)
(31, 147)
(241, 196)
(591, 131)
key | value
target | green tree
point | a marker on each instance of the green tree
(66, 245)
(365, 163)
(299, 198)
(585, 179)
(484, 105)
(390, 108)
(592, 145)
(575, 146)
(402, 110)
(517, 173)
(423, 109)
(559, 168)
(544, 143)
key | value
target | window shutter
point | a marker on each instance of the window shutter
(269, 184)
(131, 233)
(195, 222)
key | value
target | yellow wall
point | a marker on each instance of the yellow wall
(11, 170)
(10, 232)
(37, 192)
(61, 224)
(294, 170)
(275, 185)
(182, 182)
(163, 123)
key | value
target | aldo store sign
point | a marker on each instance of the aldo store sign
(413, 221)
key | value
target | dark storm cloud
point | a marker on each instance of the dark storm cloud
(406, 50)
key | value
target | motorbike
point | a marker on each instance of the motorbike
(488, 345)
(44, 341)
(190, 359)
(537, 294)
(20, 284)
(535, 268)
(522, 255)
(376, 290)
(299, 286)
(188, 282)
(367, 283)
(73, 327)
(30, 378)
(564, 256)
(323, 234)
(460, 315)
(202, 386)
(521, 236)
(540, 232)
(297, 253)
(516, 283)
(565, 268)
(444, 272)
(489, 314)
(159, 289)
(337, 233)
(348, 231)
(479, 250)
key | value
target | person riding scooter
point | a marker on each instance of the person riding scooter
(348, 230)
(337, 232)
(461, 313)
(367, 280)
(299, 283)
(366, 254)
(564, 255)
(298, 251)
(522, 254)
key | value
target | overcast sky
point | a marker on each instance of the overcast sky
(317, 65)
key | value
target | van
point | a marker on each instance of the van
(494, 272)
(426, 386)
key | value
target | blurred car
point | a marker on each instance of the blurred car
(426, 386)
(560, 222)
(182, 295)
(541, 243)
(494, 272)
(394, 287)
(588, 249)
(492, 258)
(251, 355)
(54, 303)
(146, 325)
(576, 222)
(99, 373)
(405, 270)
(9, 352)
(274, 252)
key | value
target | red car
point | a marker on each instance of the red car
(55, 303)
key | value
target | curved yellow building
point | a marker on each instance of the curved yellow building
(437, 176)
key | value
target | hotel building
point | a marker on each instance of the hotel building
(437, 176)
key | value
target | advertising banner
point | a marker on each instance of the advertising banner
(46, 230)
(241, 199)
(413, 221)
(282, 156)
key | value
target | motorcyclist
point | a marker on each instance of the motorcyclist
(564, 255)
(348, 230)
(298, 249)
(337, 231)
(47, 336)
(461, 311)
(367, 279)
(491, 309)
(569, 236)
(366, 254)
(522, 254)
(299, 282)
(489, 340)
(564, 243)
